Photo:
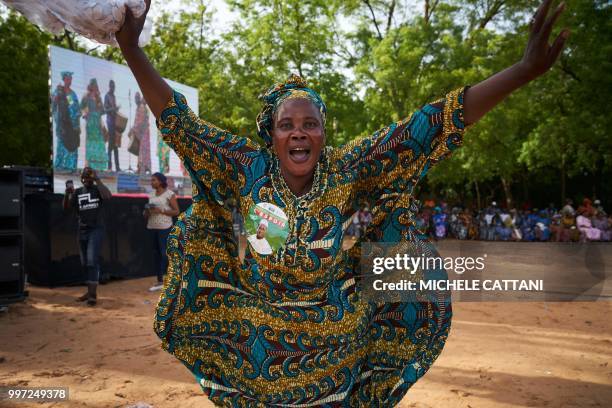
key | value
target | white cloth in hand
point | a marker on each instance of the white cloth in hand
(97, 20)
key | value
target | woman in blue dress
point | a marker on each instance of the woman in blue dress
(440, 223)
(92, 107)
(66, 114)
(290, 326)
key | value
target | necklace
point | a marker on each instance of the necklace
(296, 207)
(319, 183)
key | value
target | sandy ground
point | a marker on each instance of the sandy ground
(498, 354)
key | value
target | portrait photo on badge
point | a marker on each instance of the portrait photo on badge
(267, 228)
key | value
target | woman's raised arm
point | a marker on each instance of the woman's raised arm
(154, 89)
(215, 159)
(539, 57)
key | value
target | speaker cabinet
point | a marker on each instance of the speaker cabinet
(51, 246)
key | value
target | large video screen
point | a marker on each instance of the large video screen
(111, 130)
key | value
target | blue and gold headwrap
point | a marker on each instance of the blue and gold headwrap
(294, 87)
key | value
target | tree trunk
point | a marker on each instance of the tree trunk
(390, 16)
(367, 3)
(563, 181)
(430, 7)
(299, 58)
(477, 195)
(69, 39)
(201, 38)
(525, 189)
(507, 192)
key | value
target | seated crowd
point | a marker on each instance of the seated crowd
(587, 223)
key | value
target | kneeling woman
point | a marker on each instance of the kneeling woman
(288, 326)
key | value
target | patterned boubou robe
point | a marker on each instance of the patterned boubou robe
(291, 328)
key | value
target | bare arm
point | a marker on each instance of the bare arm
(104, 191)
(174, 211)
(108, 106)
(539, 57)
(67, 202)
(154, 89)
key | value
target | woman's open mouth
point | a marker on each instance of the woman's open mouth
(299, 154)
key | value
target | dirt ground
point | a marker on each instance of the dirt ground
(498, 354)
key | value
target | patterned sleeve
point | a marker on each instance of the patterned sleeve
(215, 159)
(396, 157)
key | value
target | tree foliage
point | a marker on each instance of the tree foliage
(374, 62)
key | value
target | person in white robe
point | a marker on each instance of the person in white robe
(258, 241)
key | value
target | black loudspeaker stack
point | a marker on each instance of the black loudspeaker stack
(38, 239)
(12, 212)
(51, 248)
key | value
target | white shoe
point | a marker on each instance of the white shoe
(156, 287)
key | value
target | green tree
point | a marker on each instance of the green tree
(571, 134)
(374, 62)
(273, 39)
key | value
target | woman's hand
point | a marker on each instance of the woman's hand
(539, 55)
(132, 27)
(154, 89)
(155, 210)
